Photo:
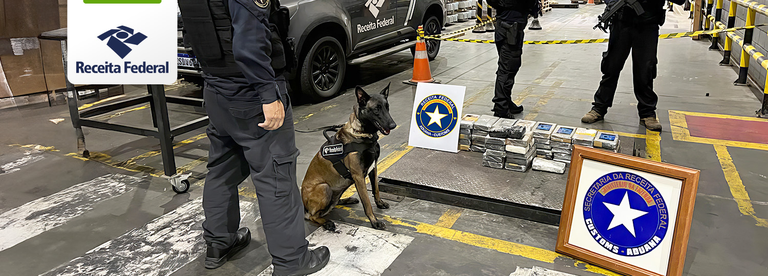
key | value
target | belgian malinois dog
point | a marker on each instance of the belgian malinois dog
(322, 186)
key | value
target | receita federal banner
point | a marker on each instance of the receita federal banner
(121, 41)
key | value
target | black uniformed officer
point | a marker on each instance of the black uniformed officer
(640, 34)
(251, 132)
(511, 18)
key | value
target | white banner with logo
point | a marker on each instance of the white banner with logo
(122, 41)
(436, 115)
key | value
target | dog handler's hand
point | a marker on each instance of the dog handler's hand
(274, 114)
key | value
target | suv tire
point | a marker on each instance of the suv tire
(431, 27)
(323, 69)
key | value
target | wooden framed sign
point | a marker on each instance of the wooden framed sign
(627, 214)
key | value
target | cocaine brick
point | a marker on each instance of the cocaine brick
(528, 125)
(465, 147)
(477, 139)
(477, 132)
(495, 165)
(562, 156)
(463, 136)
(468, 121)
(542, 146)
(544, 130)
(517, 167)
(477, 148)
(494, 156)
(584, 137)
(562, 150)
(561, 145)
(485, 122)
(501, 128)
(517, 150)
(552, 166)
(526, 141)
(606, 140)
(465, 131)
(563, 134)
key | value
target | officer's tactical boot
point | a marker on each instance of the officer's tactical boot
(651, 123)
(591, 117)
(216, 257)
(319, 258)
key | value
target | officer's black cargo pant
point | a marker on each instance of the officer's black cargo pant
(239, 147)
(509, 44)
(642, 40)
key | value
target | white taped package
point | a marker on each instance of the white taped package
(529, 125)
(485, 122)
(491, 164)
(584, 137)
(468, 121)
(544, 165)
(543, 130)
(607, 140)
(501, 128)
(526, 141)
(563, 134)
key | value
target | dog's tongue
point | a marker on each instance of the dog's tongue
(386, 132)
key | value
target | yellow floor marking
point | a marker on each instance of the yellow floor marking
(192, 164)
(680, 130)
(383, 165)
(100, 102)
(175, 146)
(449, 218)
(328, 107)
(524, 95)
(34, 147)
(303, 118)
(121, 113)
(737, 188)
(543, 101)
(478, 95)
(653, 145)
(503, 246)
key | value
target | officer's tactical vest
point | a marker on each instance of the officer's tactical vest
(206, 20)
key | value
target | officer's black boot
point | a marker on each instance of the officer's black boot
(319, 258)
(216, 257)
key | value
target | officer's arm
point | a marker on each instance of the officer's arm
(252, 48)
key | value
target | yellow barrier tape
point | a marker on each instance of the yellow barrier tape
(437, 36)
(595, 40)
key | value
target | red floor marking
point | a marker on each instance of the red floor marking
(728, 129)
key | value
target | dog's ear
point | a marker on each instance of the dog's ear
(385, 91)
(362, 97)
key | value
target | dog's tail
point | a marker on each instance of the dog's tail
(319, 129)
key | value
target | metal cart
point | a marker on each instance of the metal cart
(158, 106)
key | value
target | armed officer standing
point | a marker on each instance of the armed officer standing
(241, 47)
(511, 18)
(638, 32)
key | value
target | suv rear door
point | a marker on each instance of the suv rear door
(371, 18)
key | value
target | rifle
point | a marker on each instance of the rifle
(612, 7)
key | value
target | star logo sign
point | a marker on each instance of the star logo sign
(436, 116)
(623, 214)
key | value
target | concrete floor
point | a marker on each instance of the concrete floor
(137, 226)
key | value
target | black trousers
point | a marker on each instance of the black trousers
(510, 50)
(239, 148)
(643, 41)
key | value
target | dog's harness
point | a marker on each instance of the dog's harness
(334, 150)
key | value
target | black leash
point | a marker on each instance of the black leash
(319, 129)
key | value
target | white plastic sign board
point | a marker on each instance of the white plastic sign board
(122, 41)
(436, 115)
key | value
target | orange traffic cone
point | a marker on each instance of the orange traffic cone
(591, 2)
(421, 71)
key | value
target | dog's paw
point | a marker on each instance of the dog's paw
(378, 225)
(382, 205)
(330, 226)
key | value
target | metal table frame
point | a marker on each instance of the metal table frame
(158, 106)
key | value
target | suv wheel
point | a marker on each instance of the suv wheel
(323, 69)
(431, 27)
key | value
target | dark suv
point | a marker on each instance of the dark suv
(329, 35)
